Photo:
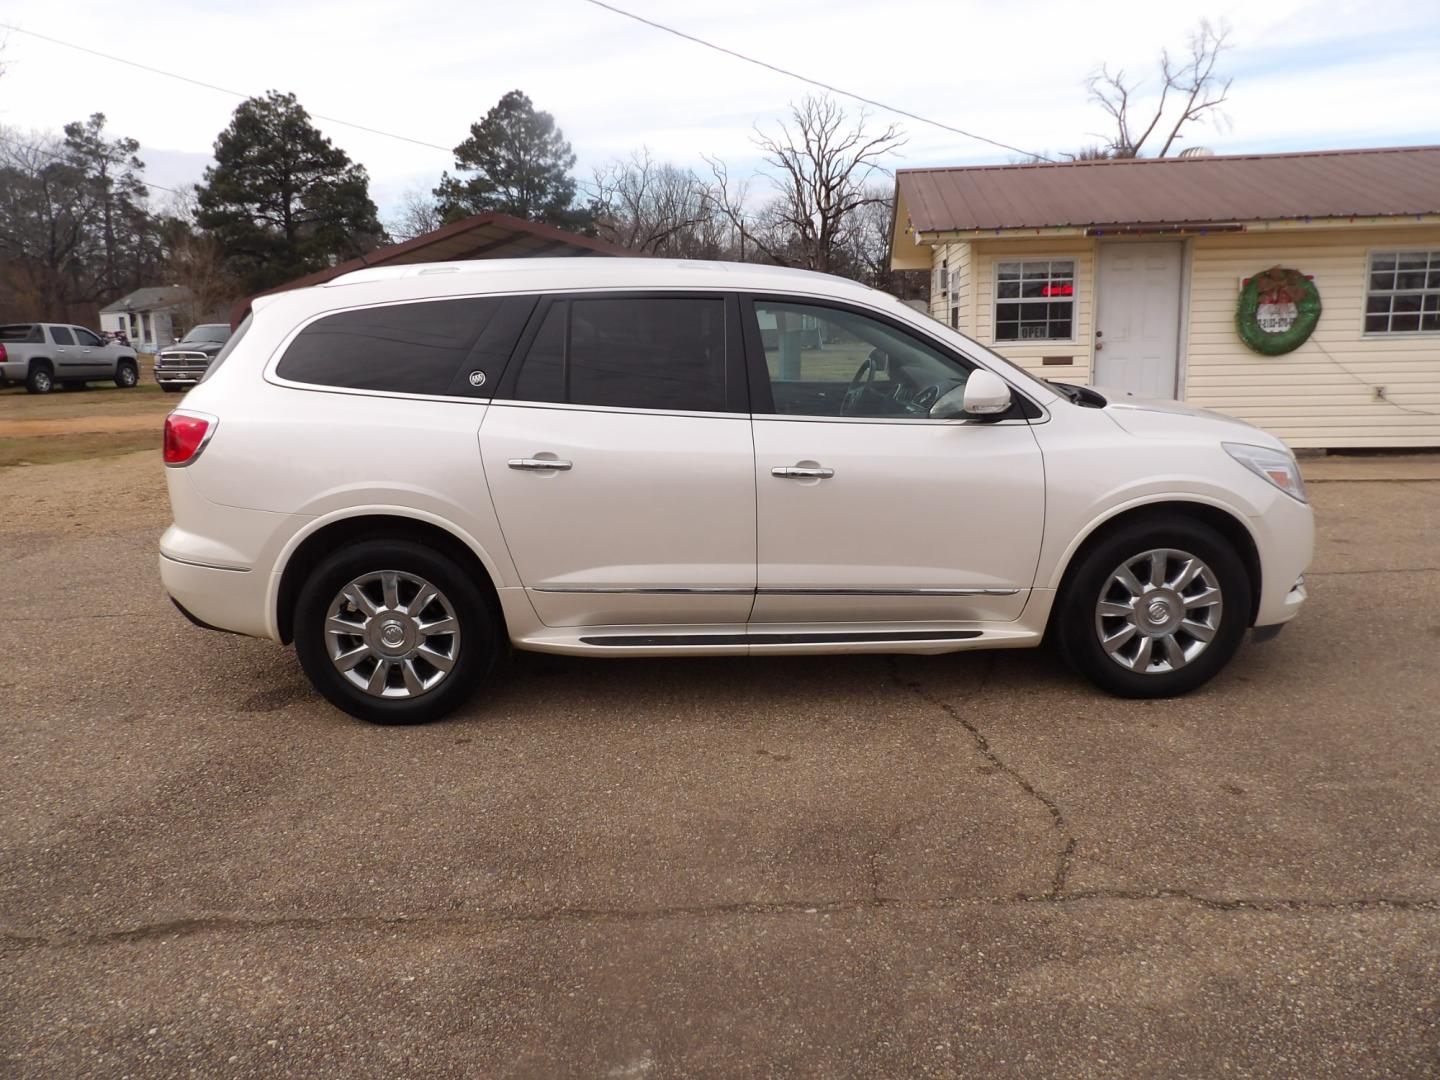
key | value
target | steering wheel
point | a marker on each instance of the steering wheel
(863, 384)
(923, 400)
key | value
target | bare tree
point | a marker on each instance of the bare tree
(196, 262)
(419, 214)
(822, 165)
(657, 208)
(1191, 82)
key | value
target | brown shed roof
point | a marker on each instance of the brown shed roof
(1147, 191)
(483, 236)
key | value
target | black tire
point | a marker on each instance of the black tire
(127, 375)
(40, 379)
(1077, 624)
(479, 642)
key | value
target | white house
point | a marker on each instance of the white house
(150, 318)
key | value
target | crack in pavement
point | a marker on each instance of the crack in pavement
(982, 744)
(500, 918)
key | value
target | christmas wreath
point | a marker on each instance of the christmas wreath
(1278, 286)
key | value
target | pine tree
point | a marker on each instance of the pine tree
(281, 199)
(521, 166)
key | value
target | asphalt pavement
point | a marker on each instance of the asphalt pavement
(970, 865)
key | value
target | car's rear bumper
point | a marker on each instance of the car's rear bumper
(218, 597)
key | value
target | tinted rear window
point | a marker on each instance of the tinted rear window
(61, 335)
(433, 347)
(21, 332)
(637, 353)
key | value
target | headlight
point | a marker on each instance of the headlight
(1276, 466)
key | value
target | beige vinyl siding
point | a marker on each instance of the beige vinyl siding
(958, 257)
(1322, 394)
(1030, 354)
(962, 287)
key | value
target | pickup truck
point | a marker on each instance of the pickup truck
(46, 355)
(182, 365)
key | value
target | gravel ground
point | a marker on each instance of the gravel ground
(861, 866)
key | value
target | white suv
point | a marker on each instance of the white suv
(410, 468)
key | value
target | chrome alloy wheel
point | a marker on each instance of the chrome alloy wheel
(392, 634)
(1158, 611)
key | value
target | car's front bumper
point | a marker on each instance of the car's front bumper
(1285, 538)
(189, 375)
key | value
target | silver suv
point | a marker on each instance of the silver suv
(44, 355)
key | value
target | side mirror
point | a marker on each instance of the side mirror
(986, 394)
(983, 394)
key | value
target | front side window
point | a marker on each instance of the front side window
(1403, 294)
(628, 352)
(434, 348)
(1035, 300)
(85, 337)
(61, 335)
(825, 361)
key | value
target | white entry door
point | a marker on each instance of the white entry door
(1137, 325)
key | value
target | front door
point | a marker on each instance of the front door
(619, 459)
(1137, 324)
(868, 510)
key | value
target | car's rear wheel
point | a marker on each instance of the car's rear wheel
(126, 374)
(393, 632)
(40, 379)
(1155, 609)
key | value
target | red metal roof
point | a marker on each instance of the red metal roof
(1148, 191)
(483, 236)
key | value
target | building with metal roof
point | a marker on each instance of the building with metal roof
(1298, 291)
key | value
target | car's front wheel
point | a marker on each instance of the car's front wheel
(1155, 609)
(394, 632)
(126, 374)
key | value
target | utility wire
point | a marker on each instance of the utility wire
(815, 82)
(212, 86)
(61, 157)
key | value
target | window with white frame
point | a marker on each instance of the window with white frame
(1403, 294)
(1035, 300)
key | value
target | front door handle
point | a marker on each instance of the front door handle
(531, 464)
(802, 472)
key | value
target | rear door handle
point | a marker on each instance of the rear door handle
(802, 472)
(530, 464)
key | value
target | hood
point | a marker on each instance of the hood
(1160, 418)
(209, 348)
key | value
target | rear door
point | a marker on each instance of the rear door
(618, 455)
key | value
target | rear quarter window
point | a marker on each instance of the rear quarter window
(435, 347)
(20, 333)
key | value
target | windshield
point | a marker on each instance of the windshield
(209, 332)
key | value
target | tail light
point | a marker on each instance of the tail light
(186, 435)
(4, 356)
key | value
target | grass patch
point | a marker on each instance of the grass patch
(51, 450)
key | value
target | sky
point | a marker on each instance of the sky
(1307, 75)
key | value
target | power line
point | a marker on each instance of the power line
(212, 86)
(61, 157)
(814, 82)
